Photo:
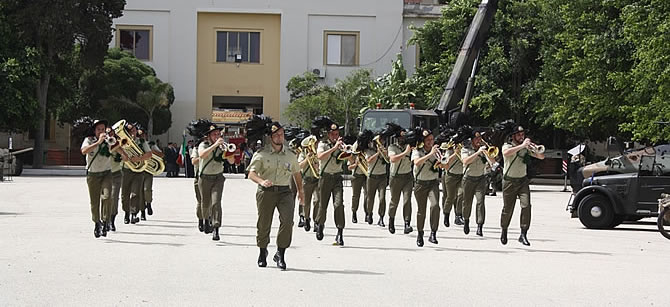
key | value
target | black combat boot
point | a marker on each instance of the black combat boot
(480, 230)
(301, 223)
(458, 220)
(308, 225)
(466, 227)
(433, 237)
(446, 220)
(391, 225)
(503, 236)
(354, 218)
(208, 226)
(368, 218)
(319, 231)
(408, 229)
(339, 240)
(143, 215)
(201, 225)
(112, 226)
(262, 258)
(105, 229)
(380, 223)
(215, 235)
(419, 239)
(523, 239)
(150, 211)
(97, 230)
(126, 218)
(133, 218)
(279, 258)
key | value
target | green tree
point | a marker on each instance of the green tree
(392, 90)
(53, 28)
(351, 94)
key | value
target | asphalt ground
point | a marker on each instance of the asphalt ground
(48, 256)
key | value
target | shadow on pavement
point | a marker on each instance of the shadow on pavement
(346, 272)
(176, 222)
(151, 234)
(223, 243)
(531, 250)
(635, 229)
(167, 226)
(10, 213)
(143, 243)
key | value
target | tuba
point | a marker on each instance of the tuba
(155, 165)
(309, 149)
(129, 146)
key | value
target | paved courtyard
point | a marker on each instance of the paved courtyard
(48, 256)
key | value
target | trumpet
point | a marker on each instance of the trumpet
(110, 139)
(491, 151)
(309, 150)
(228, 147)
(380, 149)
(536, 149)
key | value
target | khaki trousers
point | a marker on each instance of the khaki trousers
(331, 185)
(100, 191)
(401, 184)
(198, 199)
(474, 187)
(513, 189)
(211, 191)
(267, 199)
(310, 188)
(376, 184)
(453, 194)
(117, 178)
(131, 185)
(425, 191)
(358, 184)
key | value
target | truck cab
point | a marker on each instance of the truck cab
(376, 119)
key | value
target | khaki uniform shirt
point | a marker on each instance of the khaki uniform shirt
(143, 145)
(213, 167)
(516, 169)
(476, 168)
(193, 155)
(96, 162)
(378, 167)
(424, 171)
(333, 166)
(116, 165)
(404, 165)
(456, 167)
(276, 166)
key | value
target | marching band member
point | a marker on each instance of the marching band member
(377, 180)
(131, 184)
(401, 180)
(452, 184)
(98, 175)
(427, 186)
(516, 184)
(117, 178)
(272, 168)
(474, 182)
(196, 129)
(211, 179)
(330, 183)
(310, 184)
(359, 182)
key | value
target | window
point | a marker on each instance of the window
(136, 40)
(341, 48)
(245, 44)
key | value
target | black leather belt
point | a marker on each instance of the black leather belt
(276, 188)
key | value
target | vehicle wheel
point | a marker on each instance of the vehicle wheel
(596, 212)
(661, 224)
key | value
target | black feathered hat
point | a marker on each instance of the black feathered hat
(324, 122)
(257, 127)
(392, 129)
(198, 128)
(364, 138)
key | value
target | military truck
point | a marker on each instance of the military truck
(376, 119)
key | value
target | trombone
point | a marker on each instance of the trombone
(309, 150)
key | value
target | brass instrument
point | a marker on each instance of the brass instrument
(380, 149)
(155, 165)
(294, 146)
(491, 151)
(309, 150)
(536, 149)
(110, 139)
(228, 147)
(129, 146)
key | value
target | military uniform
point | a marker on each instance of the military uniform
(474, 185)
(358, 184)
(196, 188)
(330, 184)
(99, 181)
(117, 165)
(278, 167)
(427, 188)
(376, 184)
(310, 186)
(210, 184)
(516, 185)
(147, 188)
(401, 181)
(131, 187)
(453, 189)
